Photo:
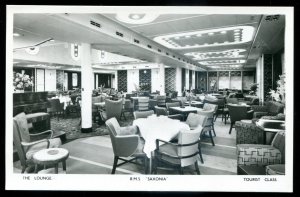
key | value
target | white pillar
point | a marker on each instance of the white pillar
(96, 74)
(86, 88)
(193, 80)
(155, 83)
(187, 79)
(162, 79)
(116, 80)
(178, 79)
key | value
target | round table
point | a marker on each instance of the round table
(51, 156)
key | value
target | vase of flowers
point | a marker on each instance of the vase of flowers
(279, 93)
(22, 81)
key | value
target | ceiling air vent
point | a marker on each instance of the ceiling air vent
(167, 53)
(272, 17)
(136, 41)
(95, 24)
(119, 34)
(149, 46)
(158, 50)
(173, 56)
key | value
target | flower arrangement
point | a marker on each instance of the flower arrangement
(279, 93)
(213, 83)
(253, 88)
(22, 81)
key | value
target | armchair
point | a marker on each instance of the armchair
(259, 158)
(142, 114)
(164, 112)
(237, 113)
(24, 144)
(272, 108)
(181, 154)
(125, 145)
(248, 133)
(112, 109)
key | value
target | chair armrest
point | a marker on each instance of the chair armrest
(257, 154)
(48, 131)
(36, 142)
(126, 145)
(259, 114)
(165, 142)
(250, 114)
(176, 116)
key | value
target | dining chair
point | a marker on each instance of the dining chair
(181, 154)
(142, 114)
(127, 107)
(173, 104)
(161, 111)
(161, 100)
(56, 108)
(143, 103)
(25, 144)
(125, 145)
(237, 113)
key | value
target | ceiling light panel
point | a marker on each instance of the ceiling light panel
(232, 53)
(134, 18)
(222, 62)
(207, 38)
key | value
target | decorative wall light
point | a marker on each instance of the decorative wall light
(232, 53)
(135, 18)
(32, 50)
(207, 38)
(75, 51)
(220, 62)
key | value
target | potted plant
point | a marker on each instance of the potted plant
(279, 94)
(253, 88)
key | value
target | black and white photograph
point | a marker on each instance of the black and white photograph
(170, 98)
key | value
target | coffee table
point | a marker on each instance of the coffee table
(50, 157)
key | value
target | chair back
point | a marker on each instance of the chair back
(143, 103)
(126, 104)
(22, 127)
(128, 96)
(113, 108)
(208, 106)
(55, 105)
(113, 127)
(191, 140)
(17, 139)
(142, 114)
(237, 112)
(174, 104)
(279, 143)
(194, 120)
(161, 111)
(161, 100)
(232, 101)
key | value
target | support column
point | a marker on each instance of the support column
(178, 79)
(86, 88)
(193, 80)
(96, 74)
(187, 79)
(162, 79)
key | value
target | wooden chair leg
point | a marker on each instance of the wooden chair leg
(211, 138)
(213, 128)
(231, 124)
(115, 164)
(200, 153)
(197, 168)
(23, 169)
(146, 165)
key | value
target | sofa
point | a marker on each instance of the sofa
(271, 108)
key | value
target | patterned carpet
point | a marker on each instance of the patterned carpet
(72, 127)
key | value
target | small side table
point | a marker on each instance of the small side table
(51, 156)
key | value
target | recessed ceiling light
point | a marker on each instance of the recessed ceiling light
(17, 34)
(231, 53)
(236, 30)
(236, 34)
(133, 18)
(176, 38)
(247, 31)
(187, 36)
(199, 35)
(223, 32)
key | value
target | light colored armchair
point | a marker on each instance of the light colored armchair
(181, 154)
(125, 144)
(25, 144)
(142, 114)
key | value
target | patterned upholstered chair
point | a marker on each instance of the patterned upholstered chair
(181, 154)
(248, 133)
(258, 158)
(143, 103)
(25, 144)
(126, 143)
(142, 114)
(272, 108)
(161, 100)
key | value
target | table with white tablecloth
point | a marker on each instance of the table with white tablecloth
(160, 127)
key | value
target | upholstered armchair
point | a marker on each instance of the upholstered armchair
(272, 108)
(142, 114)
(126, 143)
(25, 144)
(161, 100)
(257, 158)
(248, 133)
(173, 104)
(181, 154)
(112, 109)
(253, 101)
(143, 103)
(237, 113)
(161, 111)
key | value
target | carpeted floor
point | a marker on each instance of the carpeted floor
(92, 153)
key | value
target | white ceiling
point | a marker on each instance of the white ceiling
(268, 36)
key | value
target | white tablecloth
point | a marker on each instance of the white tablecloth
(161, 127)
